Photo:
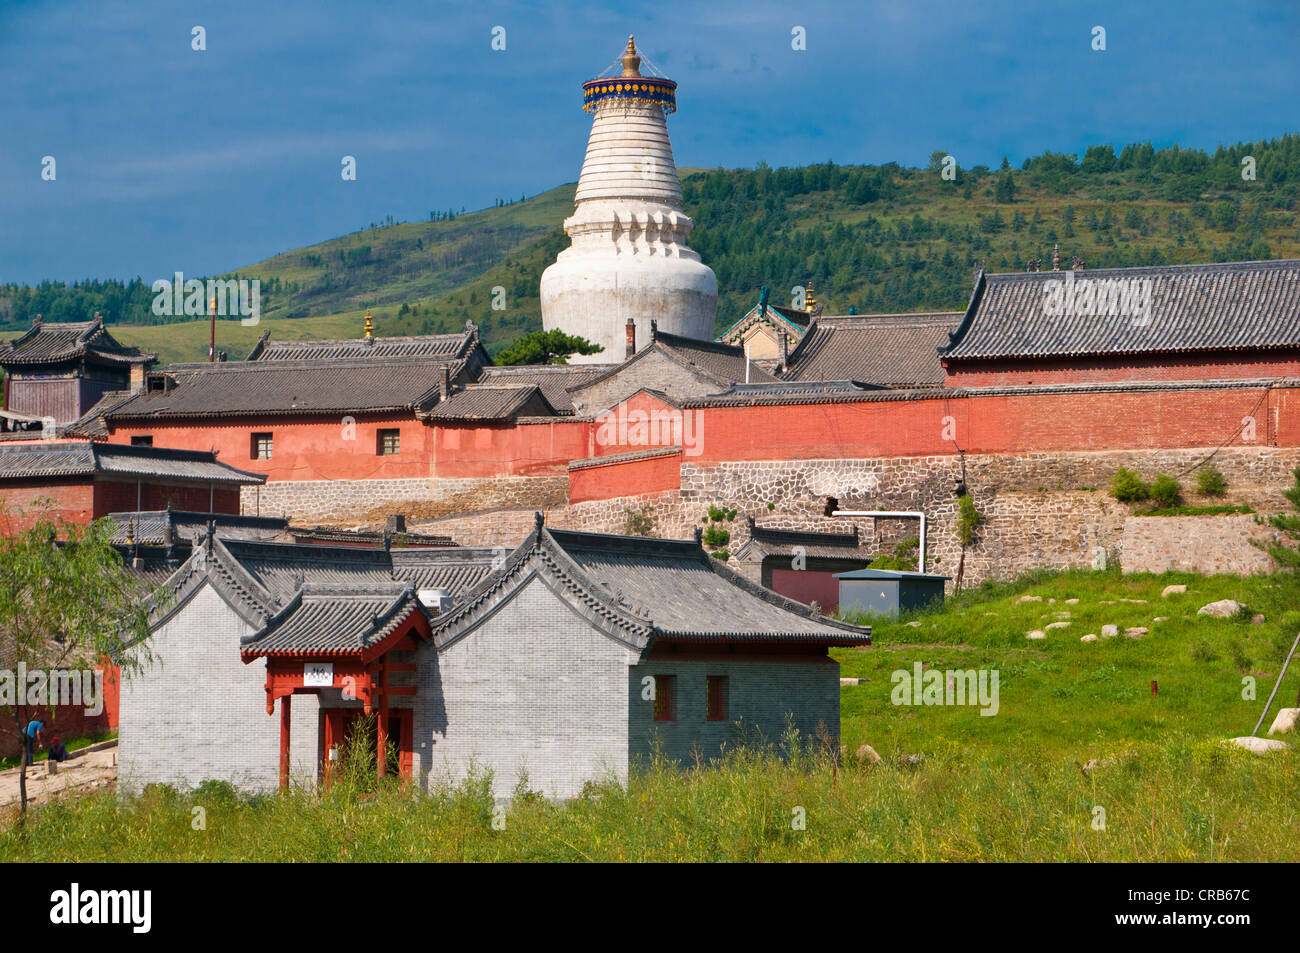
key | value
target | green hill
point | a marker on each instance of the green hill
(875, 238)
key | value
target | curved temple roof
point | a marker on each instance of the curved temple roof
(1150, 310)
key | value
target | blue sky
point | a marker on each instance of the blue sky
(174, 160)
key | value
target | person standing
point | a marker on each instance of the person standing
(31, 741)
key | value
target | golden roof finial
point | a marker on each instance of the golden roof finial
(809, 299)
(370, 325)
(631, 62)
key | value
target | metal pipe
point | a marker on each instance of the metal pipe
(1276, 685)
(893, 514)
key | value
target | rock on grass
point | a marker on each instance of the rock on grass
(868, 754)
(1285, 721)
(1223, 609)
(1258, 745)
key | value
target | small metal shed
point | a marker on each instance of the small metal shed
(888, 592)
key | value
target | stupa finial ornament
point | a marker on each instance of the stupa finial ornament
(631, 62)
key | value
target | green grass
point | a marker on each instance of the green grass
(1010, 787)
(1073, 699)
(1222, 510)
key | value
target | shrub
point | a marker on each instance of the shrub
(902, 559)
(640, 522)
(720, 515)
(1165, 490)
(714, 536)
(1128, 487)
(968, 517)
(1209, 481)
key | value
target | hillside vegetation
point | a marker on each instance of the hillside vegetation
(1077, 730)
(875, 238)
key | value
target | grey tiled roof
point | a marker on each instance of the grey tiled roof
(768, 541)
(91, 423)
(87, 458)
(307, 598)
(334, 622)
(645, 453)
(723, 362)
(443, 346)
(54, 343)
(689, 594)
(1234, 306)
(477, 402)
(290, 387)
(553, 379)
(284, 568)
(793, 389)
(895, 350)
(327, 534)
(148, 527)
(452, 570)
(639, 590)
(795, 316)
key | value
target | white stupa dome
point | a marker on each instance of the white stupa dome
(628, 256)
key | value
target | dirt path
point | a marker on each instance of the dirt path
(86, 770)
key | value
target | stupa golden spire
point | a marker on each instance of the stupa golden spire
(631, 61)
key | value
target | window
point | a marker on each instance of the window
(388, 442)
(260, 446)
(715, 702)
(142, 441)
(665, 698)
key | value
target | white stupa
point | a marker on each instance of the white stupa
(628, 257)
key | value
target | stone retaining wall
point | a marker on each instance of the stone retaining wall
(1208, 544)
(307, 501)
(1039, 510)
(345, 502)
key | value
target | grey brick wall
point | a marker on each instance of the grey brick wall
(761, 694)
(534, 686)
(198, 712)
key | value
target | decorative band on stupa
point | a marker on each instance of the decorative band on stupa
(630, 86)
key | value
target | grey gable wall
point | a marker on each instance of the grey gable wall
(198, 712)
(534, 686)
(762, 694)
(654, 370)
